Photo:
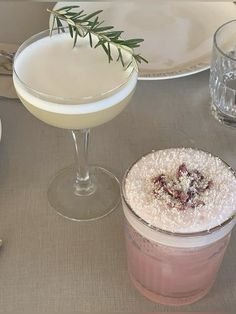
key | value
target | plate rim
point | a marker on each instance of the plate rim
(157, 77)
(150, 75)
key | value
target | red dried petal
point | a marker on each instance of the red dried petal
(179, 198)
(197, 203)
(171, 191)
(197, 175)
(183, 197)
(182, 171)
(209, 184)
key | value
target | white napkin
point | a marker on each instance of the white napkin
(6, 84)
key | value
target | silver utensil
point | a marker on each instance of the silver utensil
(7, 55)
(6, 62)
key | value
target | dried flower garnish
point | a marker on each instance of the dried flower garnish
(183, 191)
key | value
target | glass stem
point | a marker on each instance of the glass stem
(83, 184)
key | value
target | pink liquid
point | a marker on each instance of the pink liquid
(172, 275)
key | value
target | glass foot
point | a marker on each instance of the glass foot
(222, 117)
(103, 198)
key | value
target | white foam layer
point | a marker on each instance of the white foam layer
(50, 66)
(220, 199)
(175, 240)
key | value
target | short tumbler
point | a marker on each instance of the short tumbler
(172, 268)
(223, 74)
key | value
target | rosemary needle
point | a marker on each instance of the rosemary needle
(81, 24)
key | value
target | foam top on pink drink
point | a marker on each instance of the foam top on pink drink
(181, 190)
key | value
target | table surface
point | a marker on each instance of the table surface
(48, 263)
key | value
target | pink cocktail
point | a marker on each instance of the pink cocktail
(179, 207)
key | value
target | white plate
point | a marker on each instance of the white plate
(178, 34)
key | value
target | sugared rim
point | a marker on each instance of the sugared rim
(215, 39)
(61, 100)
(178, 234)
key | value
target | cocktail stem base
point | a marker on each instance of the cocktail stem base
(97, 200)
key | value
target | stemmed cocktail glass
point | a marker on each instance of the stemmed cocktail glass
(75, 89)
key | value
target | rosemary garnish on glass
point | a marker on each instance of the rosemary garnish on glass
(81, 24)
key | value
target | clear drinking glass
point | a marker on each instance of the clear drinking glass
(172, 268)
(79, 192)
(223, 74)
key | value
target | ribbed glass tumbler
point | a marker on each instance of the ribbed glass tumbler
(223, 74)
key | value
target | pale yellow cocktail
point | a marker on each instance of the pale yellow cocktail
(75, 88)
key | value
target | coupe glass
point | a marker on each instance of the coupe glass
(79, 192)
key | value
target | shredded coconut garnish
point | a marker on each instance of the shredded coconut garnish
(165, 189)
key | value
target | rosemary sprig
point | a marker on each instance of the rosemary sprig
(81, 24)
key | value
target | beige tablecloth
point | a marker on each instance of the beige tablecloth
(49, 264)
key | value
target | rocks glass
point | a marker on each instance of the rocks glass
(169, 262)
(223, 74)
